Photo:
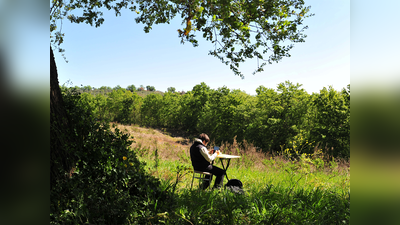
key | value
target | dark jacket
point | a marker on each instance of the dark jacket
(198, 160)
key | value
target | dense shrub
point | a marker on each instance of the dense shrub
(107, 184)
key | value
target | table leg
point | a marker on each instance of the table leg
(227, 166)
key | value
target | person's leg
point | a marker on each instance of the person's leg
(219, 176)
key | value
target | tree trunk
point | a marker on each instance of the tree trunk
(56, 102)
(60, 162)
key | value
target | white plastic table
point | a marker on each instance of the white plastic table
(228, 157)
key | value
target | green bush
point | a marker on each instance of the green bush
(108, 184)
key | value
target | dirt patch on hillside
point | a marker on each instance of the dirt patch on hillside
(148, 140)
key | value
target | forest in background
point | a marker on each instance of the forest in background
(273, 120)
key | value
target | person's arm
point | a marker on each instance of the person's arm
(206, 155)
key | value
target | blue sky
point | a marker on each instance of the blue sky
(120, 53)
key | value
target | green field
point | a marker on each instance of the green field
(277, 190)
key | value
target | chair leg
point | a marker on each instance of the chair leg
(191, 187)
(202, 179)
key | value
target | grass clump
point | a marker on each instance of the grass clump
(269, 204)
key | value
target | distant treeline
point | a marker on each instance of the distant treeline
(273, 120)
(141, 90)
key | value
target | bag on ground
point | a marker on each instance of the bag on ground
(235, 185)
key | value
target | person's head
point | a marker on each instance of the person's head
(204, 138)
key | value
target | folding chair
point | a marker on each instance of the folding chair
(201, 176)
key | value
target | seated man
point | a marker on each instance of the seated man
(202, 159)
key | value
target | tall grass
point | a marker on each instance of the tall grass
(278, 189)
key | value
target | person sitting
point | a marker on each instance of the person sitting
(202, 161)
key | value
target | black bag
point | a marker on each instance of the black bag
(235, 185)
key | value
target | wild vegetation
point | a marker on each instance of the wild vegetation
(129, 174)
(273, 120)
(98, 178)
(278, 188)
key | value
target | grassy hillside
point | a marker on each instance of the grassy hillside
(172, 147)
(278, 189)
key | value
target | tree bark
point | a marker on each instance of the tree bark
(60, 162)
(56, 101)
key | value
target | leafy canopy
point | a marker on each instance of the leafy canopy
(239, 29)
